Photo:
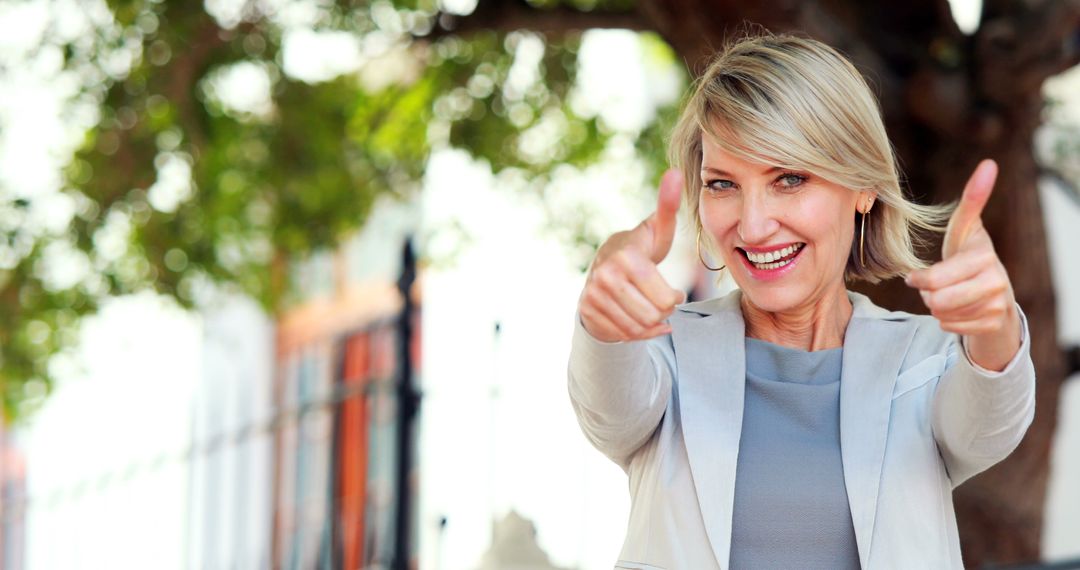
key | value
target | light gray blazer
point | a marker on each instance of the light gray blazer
(917, 418)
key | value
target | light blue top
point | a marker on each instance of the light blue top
(791, 505)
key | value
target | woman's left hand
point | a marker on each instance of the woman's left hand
(969, 291)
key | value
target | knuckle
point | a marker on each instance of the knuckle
(629, 259)
(649, 319)
(606, 277)
(662, 305)
(591, 297)
(656, 316)
(645, 270)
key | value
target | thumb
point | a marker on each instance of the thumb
(662, 221)
(967, 216)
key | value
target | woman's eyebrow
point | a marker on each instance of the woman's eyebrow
(719, 172)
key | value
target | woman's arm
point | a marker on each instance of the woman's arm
(620, 380)
(986, 399)
(979, 416)
(619, 390)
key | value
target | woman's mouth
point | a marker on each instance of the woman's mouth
(772, 260)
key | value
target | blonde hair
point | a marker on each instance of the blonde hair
(797, 103)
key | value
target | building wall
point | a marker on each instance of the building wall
(1061, 534)
(231, 477)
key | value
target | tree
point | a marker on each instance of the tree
(176, 186)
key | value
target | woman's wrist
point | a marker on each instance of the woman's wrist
(994, 351)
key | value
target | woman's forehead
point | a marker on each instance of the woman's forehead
(715, 157)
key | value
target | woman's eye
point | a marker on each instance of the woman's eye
(790, 180)
(719, 185)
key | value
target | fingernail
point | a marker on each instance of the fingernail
(907, 279)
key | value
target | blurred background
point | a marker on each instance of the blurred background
(290, 283)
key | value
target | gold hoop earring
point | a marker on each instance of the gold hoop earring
(862, 237)
(702, 259)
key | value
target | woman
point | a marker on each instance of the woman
(793, 423)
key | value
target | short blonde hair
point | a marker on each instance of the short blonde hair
(797, 103)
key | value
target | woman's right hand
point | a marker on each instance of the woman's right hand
(625, 298)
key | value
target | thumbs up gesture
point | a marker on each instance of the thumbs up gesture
(969, 291)
(625, 298)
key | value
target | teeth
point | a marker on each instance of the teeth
(769, 259)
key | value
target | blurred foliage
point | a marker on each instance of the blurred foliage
(175, 186)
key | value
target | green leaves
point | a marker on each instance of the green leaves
(177, 184)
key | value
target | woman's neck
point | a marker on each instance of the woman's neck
(817, 325)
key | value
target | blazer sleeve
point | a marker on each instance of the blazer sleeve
(980, 416)
(619, 391)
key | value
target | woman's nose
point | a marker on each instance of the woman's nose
(757, 221)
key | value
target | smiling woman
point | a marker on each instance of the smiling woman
(793, 423)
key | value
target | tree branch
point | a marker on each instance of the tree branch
(510, 15)
(1019, 47)
(189, 64)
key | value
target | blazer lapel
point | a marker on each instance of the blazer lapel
(874, 349)
(710, 354)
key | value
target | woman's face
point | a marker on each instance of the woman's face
(785, 234)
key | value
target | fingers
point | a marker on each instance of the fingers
(620, 316)
(968, 312)
(967, 216)
(635, 304)
(972, 307)
(630, 295)
(961, 267)
(967, 292)
(662, 222)
(602, 327)
(647, 279)
(973, 327)
(989, 306)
